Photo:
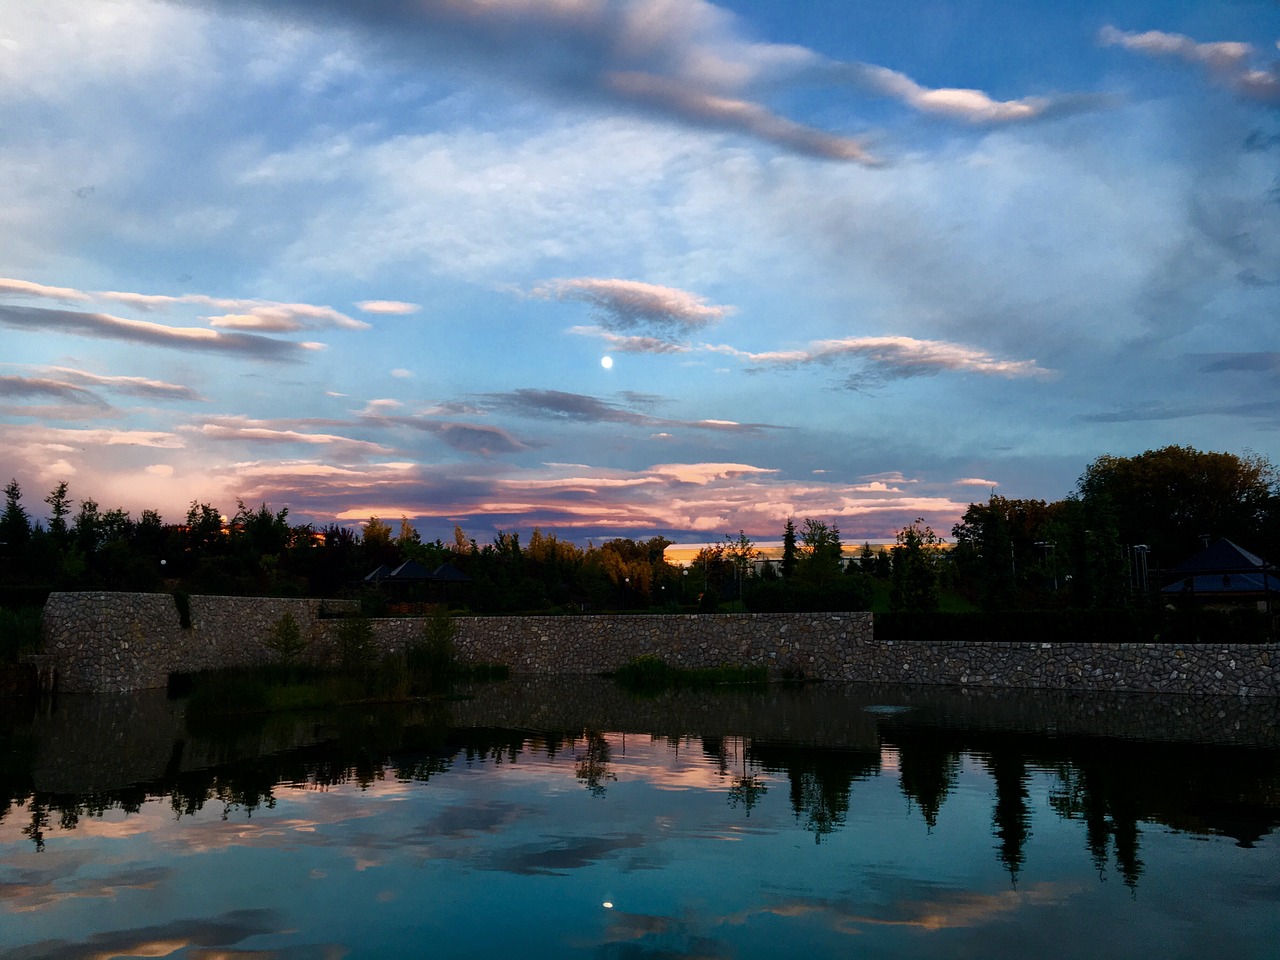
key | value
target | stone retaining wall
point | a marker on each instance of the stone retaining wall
(109, 642)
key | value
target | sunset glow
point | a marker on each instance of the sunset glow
(629, 268)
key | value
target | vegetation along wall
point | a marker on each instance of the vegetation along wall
(104, 642)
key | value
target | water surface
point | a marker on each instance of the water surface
(565, 818)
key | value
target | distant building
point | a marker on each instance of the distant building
(1224, 574)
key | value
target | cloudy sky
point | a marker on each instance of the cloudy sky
(630, 267)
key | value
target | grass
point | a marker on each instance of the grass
(651, 673)
(426, 669)
(19, 632)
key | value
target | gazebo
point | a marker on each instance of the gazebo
(1224, 574)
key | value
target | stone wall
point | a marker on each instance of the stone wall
(119, 642)
(108, 642)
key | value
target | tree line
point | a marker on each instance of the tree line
(1128, 519)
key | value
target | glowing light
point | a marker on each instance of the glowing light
(608, 904)
(606, 362)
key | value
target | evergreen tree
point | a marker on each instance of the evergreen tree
(789, 554)
(15, 525)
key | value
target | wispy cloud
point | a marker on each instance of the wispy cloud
(1267, 361)
(389, 307)
(237, 428)
(1228, 62)
(108, 327)
(971, 106)
(286, 318)
(685, 63)
(476, 439)
(673, 96)
(28, 288)
(143, 387)
(897, 357)
(42, 387)
(639, 317)
(624, 344)
(252, 314)
(558, 405)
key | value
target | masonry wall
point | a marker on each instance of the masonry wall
(105, 642)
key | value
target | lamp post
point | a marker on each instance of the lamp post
(1140, 552)
(1050, 555)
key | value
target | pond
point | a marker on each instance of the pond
(561, 818)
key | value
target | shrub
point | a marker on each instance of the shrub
(838, 594)
(649, 673)
(19, 633)
(286, 640)
(434, 654)
(355, 643)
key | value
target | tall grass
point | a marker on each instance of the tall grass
(19, 632)
(651, 673)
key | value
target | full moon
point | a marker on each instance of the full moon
(606, 362)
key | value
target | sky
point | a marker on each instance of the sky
(626, 268)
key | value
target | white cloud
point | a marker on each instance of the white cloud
(391, 307)
(1227, 61)
(973, 106)
(898, 357)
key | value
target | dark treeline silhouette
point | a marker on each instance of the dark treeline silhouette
(1007, 554)
(1129, 519)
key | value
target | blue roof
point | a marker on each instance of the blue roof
(1224, 567)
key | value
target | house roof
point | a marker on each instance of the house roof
(1219, 557)
(410, 570)
(1224, 567)
(381, 573)
(447, 571)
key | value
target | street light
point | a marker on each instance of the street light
(1140, 552)
(1050, 554)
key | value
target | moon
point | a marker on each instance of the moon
(606, 362)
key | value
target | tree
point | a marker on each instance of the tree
(916, 573)
(60, 508)
(789, 554)
(204, 528)
(741, 553)
(1171, 498)
(15, 526)
(1001, 546)
(820, 551)
(408, 538)
(87, 528)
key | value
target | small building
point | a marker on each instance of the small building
(411, 581)
(1224, 574)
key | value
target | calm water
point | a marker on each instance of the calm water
(567, 819)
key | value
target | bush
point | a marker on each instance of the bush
(19, 633)
(650, 673)
(355, 643)
(434, 655)
(837, 595)
(286, 640)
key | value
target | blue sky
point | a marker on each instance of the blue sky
(849, 261)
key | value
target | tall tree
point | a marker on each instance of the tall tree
(790, 555)
(15, 525)
(820, 550)
(916, 568)
(59, 509)
(1173, 497)
(741, 552)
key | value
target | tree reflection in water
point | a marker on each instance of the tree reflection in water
(1112, 785)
